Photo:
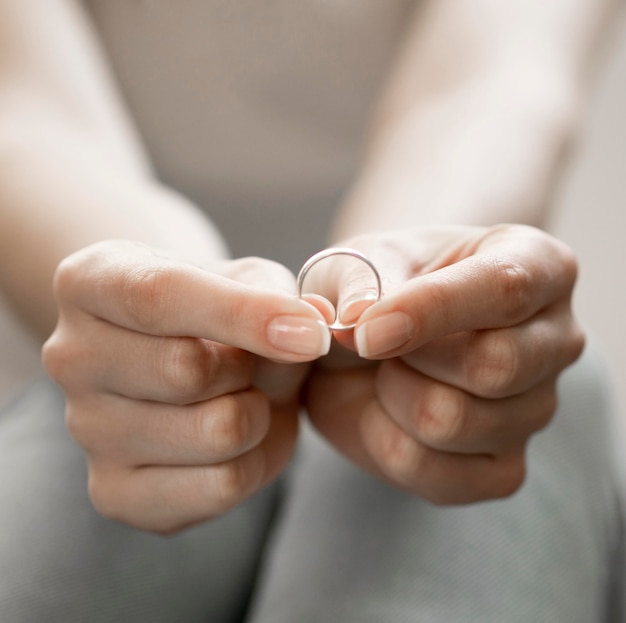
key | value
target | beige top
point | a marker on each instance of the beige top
(255, 109)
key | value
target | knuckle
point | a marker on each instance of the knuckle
(569, 261)
(231, 483)
(78, 425)
(227, 427)
(73, 270)
(492, 364)
(576, 342)
(77, 268)
(514, 287)
(147, 294)
(63, 356)
(88, 426)
(440, 420)
(186, 368)
(399, 457)
(65, 277)
(55, 356)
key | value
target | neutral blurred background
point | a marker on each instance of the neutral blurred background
(591, 213)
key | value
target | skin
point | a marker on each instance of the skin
(184, 371)
(182, 383)
(466, 346)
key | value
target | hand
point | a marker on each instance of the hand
(464, 353)
(182, 385)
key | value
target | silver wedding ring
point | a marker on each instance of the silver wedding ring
(326, 253)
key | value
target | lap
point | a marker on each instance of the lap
(347, 548)
(351, 549)
(60, 561)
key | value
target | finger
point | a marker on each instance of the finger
(440, 477)
(142, 291)
(280, 382)
(508, 279)
(358, 289)
(175, 370)
(446, 418)
(168, 499)
(362, 430)
(335, 400)
(323, 305)
(351, 277)
(503, 362)
(139, 433)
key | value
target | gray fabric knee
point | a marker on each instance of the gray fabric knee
(61, 562)
(349, 548)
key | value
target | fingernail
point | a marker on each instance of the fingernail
(384, 334)
(354, 305)
(299, 336)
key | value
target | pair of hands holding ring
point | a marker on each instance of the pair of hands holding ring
(184, 384)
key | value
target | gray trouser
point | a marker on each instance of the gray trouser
(344, 548)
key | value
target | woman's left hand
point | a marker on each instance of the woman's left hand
(447, 377)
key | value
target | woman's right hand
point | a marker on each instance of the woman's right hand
(182, 384)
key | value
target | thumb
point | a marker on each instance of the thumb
(353, 277)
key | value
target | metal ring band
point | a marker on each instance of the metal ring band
(322, 255)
